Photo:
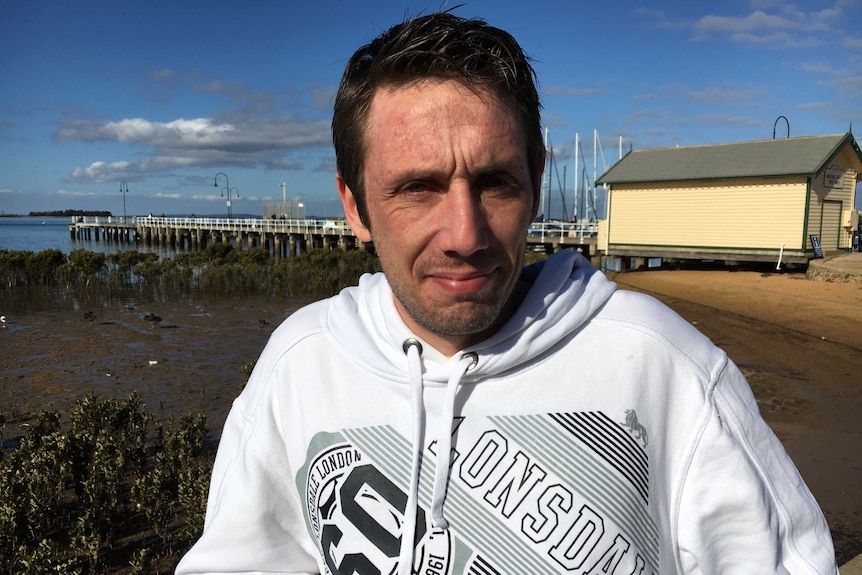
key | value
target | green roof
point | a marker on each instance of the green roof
(765, 158)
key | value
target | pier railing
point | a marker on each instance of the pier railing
(280, 236)
(298, 226)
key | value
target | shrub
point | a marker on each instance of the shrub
(70, 501)
(30, 269)
(219, 270)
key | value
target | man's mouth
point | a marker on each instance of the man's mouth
(462, 282)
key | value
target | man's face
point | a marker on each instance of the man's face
(449, 199)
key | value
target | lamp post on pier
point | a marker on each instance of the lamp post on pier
(228, 188)
(235, 194)
(124, 189)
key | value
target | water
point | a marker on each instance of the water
(37, 234)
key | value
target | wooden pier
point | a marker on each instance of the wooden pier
(283, 238)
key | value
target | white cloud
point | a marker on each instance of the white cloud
(658, 18)
(753, 24)
(815, 106)
(254, 133)
(645, 115)
(323, 98)
(178, 133)
(100, 172)
(69, 194)
(847, 81)
(771, 23)
(163, 74)
(727, 120)
(278, 133)
(195, 142)
(818, 68)
(850, 84)
(566, 91)
(758, 28)
(711, 94)
(207, 197)
(723, 94)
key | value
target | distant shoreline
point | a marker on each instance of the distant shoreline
(60, 214)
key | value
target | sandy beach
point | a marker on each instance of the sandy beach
(798, 341)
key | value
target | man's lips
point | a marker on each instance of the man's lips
(462, 282)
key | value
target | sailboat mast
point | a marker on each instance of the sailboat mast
(545, 176)
(595, 169)
(577, 178)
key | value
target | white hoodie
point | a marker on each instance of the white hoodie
(597, 432)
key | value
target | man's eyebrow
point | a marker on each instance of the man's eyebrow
(512, 166)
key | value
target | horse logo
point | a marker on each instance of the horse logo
(638, 431)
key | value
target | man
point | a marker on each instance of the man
(457, 414)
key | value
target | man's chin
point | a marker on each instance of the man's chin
(461, 319)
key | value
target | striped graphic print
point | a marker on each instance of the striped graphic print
(570, 447)
(592, 476)
(482, 567)
(609, 441)
(498, 544)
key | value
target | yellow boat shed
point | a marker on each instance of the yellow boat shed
(787, 200)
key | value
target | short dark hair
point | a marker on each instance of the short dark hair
(437, 46)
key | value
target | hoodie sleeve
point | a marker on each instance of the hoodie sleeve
(744, 508)
(254, 520)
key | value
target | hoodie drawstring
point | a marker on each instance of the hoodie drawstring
(413, 349)
(444, 440)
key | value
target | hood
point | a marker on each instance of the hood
(565, 291)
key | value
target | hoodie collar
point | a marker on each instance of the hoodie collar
(565, 292)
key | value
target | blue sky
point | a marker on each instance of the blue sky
(165, 94)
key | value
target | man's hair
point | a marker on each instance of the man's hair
(438, 46)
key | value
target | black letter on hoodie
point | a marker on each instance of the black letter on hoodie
(351, 564)
(382, 538)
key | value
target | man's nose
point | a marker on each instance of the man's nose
(464, 227)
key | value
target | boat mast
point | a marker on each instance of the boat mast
(577, 178)
(545, 184)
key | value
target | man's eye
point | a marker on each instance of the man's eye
(494, 182)
(500, 186)
(415, 187)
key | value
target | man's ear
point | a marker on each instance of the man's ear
(351, 212)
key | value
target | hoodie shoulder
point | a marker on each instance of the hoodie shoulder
(636, 307)
(640, 312)
(309, 318)
(324, 315)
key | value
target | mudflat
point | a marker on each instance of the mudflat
(798, 341)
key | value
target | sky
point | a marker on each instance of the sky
(165, 95)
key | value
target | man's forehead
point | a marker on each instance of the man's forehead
(434, 127)
(437, 106)
(425, 92)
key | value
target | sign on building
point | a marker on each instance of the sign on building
(833, 177)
